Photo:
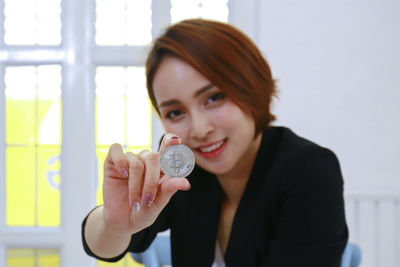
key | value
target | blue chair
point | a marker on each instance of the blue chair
(158, 254)
(351, 256)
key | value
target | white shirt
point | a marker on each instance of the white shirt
(219, 258)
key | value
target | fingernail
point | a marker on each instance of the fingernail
(135, 206)
(174, 137)
(147, 199)
(124, 172)
(189, 186)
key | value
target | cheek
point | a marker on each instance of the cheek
(228, 116)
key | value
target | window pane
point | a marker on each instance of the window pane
(49, 104)
(33, 140)
(210, 9)
(25, 257)
(48, 258)
(49, 115)
(20, 257)
(110, 105)
(101, 154)
(110, 120)
(32, 199)
(33, 105)
(122, 107)
(20, 186)
(20, 104)
(48, 187)
(38, 22)
(123, 22)
(138, 108)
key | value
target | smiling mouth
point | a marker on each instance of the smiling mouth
(213, 147)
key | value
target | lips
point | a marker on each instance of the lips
(212, 150)
(212, 147)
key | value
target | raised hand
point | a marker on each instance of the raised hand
(135, 190)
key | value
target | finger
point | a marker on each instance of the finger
(116, 158)
(136, 172)
(169, 187)
(175, 184)
(169, 139)
(151, 177)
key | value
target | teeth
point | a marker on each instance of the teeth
(211, 148)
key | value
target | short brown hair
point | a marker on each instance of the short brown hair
(226, 57)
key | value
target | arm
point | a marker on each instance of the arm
(311, 229)
(98, 239)
(135, 193)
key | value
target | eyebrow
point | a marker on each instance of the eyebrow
(199, 92)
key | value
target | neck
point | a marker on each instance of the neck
(234, 182)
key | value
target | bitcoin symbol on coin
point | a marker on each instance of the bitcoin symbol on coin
(177, 161)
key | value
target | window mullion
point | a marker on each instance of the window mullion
(2, 167)
(1, 26)
(34, 237)
(2, 254)
(31, 55)
(245, 16)
(119, 55)
(160, 19)
(78, 166)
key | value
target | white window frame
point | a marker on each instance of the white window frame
(79, 56)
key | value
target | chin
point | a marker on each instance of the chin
(217, 169)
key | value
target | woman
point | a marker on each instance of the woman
(259, 195)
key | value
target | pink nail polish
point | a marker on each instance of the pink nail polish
(148, 199)
(124, 172)
(135, 206)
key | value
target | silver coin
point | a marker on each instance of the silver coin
(177, 161)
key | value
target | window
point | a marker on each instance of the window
(71, 84)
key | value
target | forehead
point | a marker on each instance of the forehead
(175, 78)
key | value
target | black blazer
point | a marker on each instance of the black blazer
(291, 212)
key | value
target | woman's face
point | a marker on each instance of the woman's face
(218, 132)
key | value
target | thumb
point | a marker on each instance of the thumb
(169, 139)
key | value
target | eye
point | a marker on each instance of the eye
(215, 98)
(174, 114)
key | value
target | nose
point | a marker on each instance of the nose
(201, 125)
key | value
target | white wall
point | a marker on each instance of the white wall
(338, 65)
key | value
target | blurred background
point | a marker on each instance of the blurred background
(72, 83)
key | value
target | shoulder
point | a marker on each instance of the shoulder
(299, 160)
(293, 145)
